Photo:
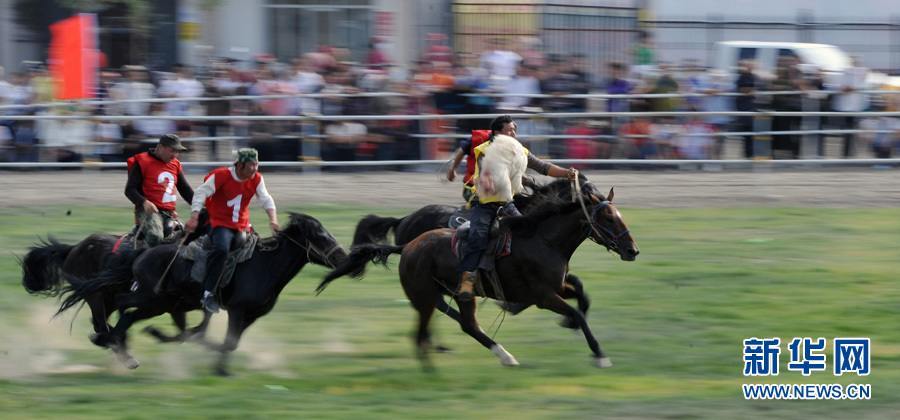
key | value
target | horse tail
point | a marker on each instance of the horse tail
(355, 263)
(374, 229)
(117, 273)
(42, 266)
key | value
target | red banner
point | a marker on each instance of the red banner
(74, 56)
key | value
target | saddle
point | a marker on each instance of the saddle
(241, 250)
(499, 244)
(135, 238)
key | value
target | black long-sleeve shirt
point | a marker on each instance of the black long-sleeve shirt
(135, 192)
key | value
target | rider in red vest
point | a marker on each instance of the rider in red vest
(153, 178)
(467, 148)
(226, 194)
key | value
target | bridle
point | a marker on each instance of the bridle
(599, 234)
(312, 249)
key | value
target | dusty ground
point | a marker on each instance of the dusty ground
(856, 188)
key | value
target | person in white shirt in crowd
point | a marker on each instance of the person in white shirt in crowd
(696, 140)
(308, 81)
(135, 88)
(182, 85)
(500, 62)
(849, 99)
(523, 83)
(155, 127)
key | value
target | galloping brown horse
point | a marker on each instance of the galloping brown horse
(544, 240)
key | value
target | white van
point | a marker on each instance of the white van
(826, 57)
(831, 59)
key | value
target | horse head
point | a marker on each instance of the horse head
(607, 227)
(308, 233)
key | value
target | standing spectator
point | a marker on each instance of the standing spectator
(522, 83)
(746, 86)
(42, 85)
(618, 85)
(500, 62)
(183, 85)
(787, 78)
(849, 99)
(644, 57)
(136, 88)
(665, 84)
(640, 146)
(308, 81)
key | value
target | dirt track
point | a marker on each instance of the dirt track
(859, 188)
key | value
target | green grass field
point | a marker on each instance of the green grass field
(672, 322)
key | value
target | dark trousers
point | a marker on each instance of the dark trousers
(481, 217)
(221, 237)
(745, 124)
(849, 123)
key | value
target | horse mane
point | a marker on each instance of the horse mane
(560, 188)
(549, 200)
(297, 223)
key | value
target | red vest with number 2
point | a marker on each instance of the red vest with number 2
(159, 181)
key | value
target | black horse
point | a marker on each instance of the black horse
(375, 229)
(544, 240)
(252, 292)
(49, 263)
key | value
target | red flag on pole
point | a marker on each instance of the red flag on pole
(74, 56)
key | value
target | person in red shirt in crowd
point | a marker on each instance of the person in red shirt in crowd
(153, 177)
(226, 194)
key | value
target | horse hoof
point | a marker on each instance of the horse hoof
(99, 339)
(131, 363)
(442, 349)
(506, 359)
(603, 362)
(221, 371)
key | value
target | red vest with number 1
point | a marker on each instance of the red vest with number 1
(478, 137)
(229, 205)
(159, 181)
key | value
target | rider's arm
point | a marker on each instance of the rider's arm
(265, 199)
(184, 189)
(133, 187)
(457, 158)
(546, 168)
(204, 191)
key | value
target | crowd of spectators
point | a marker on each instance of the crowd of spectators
(503, 78)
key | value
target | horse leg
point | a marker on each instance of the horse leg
(557, 304)
(119, 338)
(448, 310)
(237, 323)
(574, 289)
(180, 321)
(469, 325)
(423, 336)
(199, 332)
(99, 318)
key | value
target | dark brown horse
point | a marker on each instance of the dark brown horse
(544, 240)
(375, 229)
